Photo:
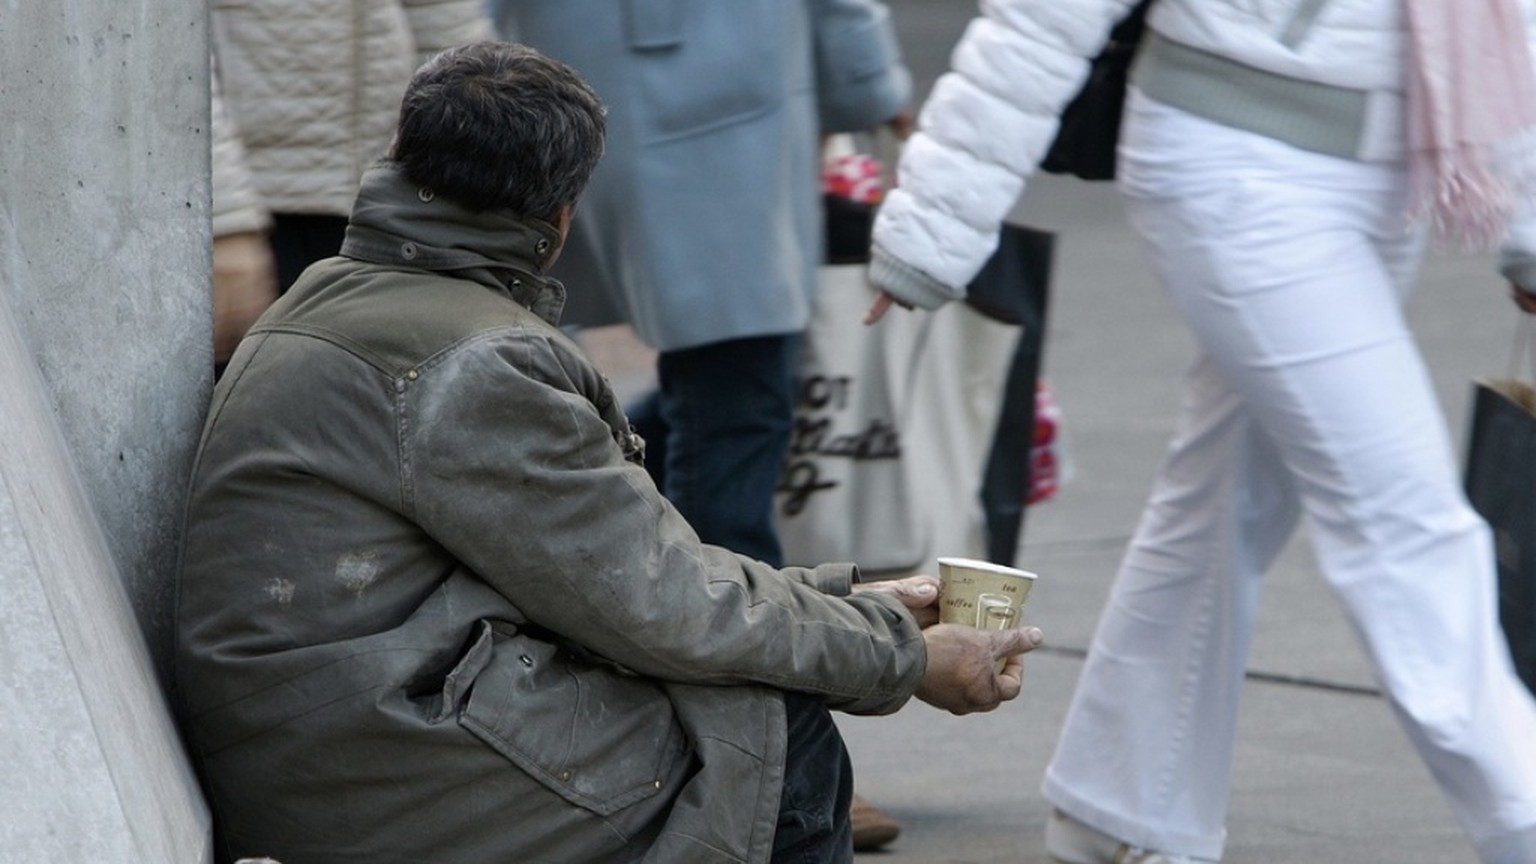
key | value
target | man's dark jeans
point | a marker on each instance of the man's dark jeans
(814, 827)
(716, 436)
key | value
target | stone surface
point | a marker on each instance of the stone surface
(105, 352)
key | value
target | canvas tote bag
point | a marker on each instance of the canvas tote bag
(848, 491)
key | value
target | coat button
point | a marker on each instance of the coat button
(541, 247)
(408, 250)
(565, 775)
(425, 194)
(413, 374)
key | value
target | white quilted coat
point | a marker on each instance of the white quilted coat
(989, 120)
(312, 89)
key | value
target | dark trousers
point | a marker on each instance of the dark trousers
(814, 826)
(301, 239)
(717, 434)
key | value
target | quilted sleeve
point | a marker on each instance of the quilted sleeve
(983, 130)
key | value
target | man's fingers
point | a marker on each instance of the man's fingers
(914, 592)
(918, 591)
(1010, 646)
(1011, 680)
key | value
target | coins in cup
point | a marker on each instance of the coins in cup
(982, 594)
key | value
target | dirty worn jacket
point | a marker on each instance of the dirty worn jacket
(431, 608)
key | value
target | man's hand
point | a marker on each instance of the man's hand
(962, 674)
(920, 594)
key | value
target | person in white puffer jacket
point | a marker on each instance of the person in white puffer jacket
(1285, 162)
(313, 88)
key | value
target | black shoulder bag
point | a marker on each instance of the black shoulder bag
(1090, 124)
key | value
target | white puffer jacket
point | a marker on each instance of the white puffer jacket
(314, 86)
(990, 119)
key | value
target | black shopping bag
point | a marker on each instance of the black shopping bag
(1501, 483)
(1013, 288)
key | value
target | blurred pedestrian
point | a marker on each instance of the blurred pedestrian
(312, 86)
(1284, 163)
(702, 227)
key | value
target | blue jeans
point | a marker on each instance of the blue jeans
(717, 434)
(814, 825)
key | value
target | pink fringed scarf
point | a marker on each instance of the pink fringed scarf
(1470, 91)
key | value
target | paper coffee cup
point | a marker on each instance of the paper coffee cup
(982, 594)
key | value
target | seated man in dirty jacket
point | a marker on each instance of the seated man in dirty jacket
(432, 608)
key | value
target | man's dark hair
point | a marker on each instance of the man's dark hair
(499, 126)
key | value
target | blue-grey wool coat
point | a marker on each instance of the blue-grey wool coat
(703, 222)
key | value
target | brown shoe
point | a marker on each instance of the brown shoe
(872, 829)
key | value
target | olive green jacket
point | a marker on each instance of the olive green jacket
(431, 608)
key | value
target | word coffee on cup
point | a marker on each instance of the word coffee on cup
(982, 594)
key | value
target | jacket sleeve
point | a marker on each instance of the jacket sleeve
(982, 131)
(439, 24)
(519, 475)
(861, 79)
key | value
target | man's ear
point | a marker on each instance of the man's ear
(563, 221)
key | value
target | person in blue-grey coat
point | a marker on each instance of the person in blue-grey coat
(702, 226)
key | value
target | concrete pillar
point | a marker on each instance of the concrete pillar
(104, 376)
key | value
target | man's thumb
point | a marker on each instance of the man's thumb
(1007, 643)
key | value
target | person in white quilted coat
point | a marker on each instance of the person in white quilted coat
(312, 90)
(1285, 162)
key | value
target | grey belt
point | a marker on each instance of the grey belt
(1319, 117)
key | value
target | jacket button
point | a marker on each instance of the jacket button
(541, 247)
(657, 784)
(413, 374)
(527, 661)
(565, 775)
(408, 250)
(425, 194)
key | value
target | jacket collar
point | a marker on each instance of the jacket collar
(398, 224)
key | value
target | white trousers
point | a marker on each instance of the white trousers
(1309, 397)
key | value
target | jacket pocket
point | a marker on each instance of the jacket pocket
(457, 683)
(598, 737)
(694, 69)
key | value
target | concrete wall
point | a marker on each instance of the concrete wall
(104, 358)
